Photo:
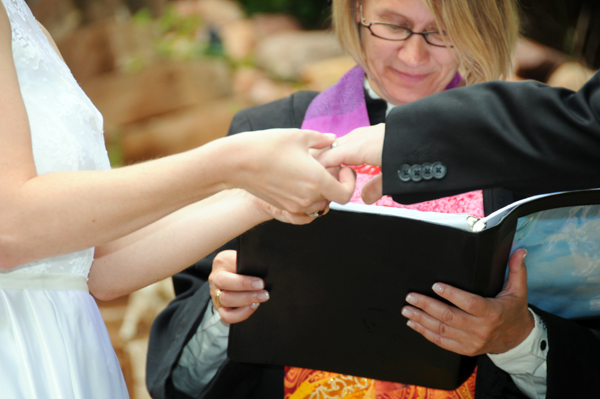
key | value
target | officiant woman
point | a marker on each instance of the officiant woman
(405, 50)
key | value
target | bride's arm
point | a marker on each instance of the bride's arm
(42, 216)
(176, 241)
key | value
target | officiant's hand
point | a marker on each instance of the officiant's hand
(476, 325)
(239, 295)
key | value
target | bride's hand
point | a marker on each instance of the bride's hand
(272, 212)
(276, 166)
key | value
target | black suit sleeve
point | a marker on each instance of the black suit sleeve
(572, 364)
(525, 137)
(573, 357)
(176, 325)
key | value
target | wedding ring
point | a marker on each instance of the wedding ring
(316, 214)
(217, 302)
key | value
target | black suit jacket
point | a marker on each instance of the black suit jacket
(175, 326)
(525, 137)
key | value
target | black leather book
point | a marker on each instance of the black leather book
(338, 285)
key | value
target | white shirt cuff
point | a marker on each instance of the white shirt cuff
(203, 355)
(526, 363)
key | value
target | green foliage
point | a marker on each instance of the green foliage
(312, 14)
(114, 147)
(173, 22)
(143, 17)
(179, 35)
(134, 64)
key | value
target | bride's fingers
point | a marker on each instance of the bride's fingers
(347, 181)
(316, 207)
(296, 218)
(317, 140)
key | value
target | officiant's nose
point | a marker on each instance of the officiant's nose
(414, 51)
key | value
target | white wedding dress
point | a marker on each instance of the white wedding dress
(53, 342)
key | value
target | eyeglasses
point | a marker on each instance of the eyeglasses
(386, 31)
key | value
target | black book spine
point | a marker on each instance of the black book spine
(492, 248)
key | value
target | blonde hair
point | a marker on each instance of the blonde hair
(484, 33)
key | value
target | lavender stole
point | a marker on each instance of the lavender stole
(342, 107)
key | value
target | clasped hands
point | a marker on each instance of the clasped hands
(286, 168)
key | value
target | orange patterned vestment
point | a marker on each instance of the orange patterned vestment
(302, 383)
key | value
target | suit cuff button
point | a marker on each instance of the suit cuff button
(427, 171)
(439, 170)
(404, 173)
(415, 173)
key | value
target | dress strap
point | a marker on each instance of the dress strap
(47, 281)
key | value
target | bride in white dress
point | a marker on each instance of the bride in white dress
(59, 200)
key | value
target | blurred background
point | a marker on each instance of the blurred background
(170, 75)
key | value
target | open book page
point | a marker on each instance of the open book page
(496, 217)
(459, 221)
(563, 261)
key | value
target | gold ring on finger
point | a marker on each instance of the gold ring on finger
(316, 214)
(217, 302)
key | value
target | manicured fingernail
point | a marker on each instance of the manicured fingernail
(406, 312)
(410, 323)
(258, 284)
(524, 254)
(263, 296)
(254, 305)
(437, 288)
(411, 299)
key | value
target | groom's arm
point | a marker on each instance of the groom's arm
(525, 137)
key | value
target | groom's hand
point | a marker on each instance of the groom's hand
(372, 190)
(361, 146)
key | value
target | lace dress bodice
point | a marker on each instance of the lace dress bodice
(66, 128)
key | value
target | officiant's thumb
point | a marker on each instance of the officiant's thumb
(517, 273)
